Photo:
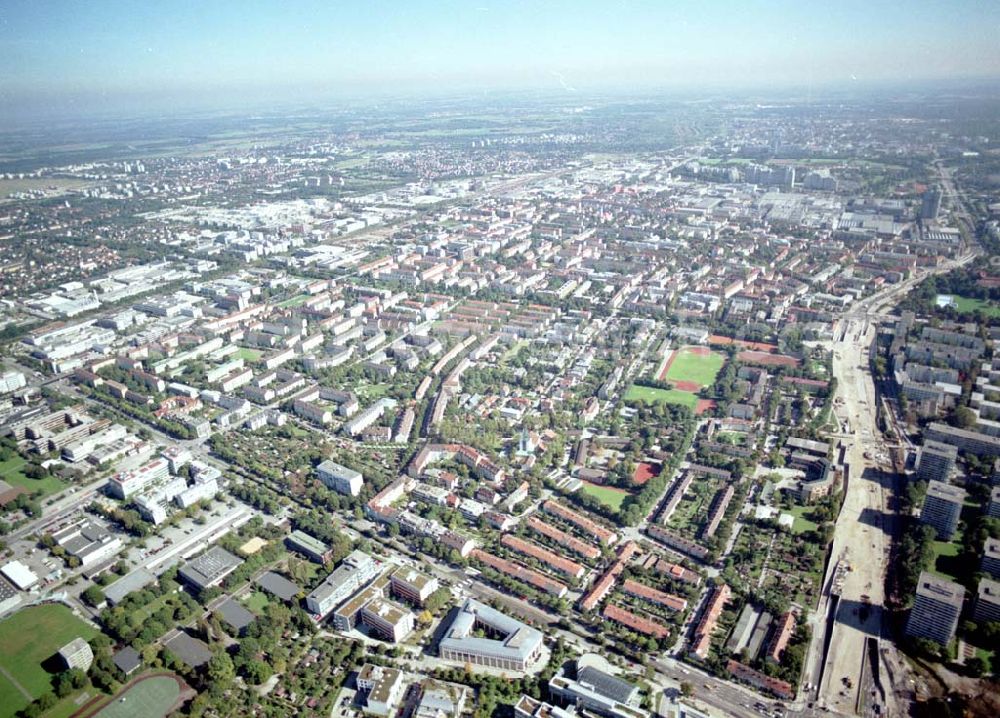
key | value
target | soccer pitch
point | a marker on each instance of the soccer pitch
(696, 367)
(609, 495)
(147, 698)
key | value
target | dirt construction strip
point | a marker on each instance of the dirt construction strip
(765, 359)
(720, 340)
(704, 405)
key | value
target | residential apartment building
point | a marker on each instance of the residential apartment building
(936, 608)
(942, 508)
(987, 602)
(993, 507)
(991, 558)
(935, 461)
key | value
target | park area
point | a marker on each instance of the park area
(608, 495)
(28, 642)
(11, 471)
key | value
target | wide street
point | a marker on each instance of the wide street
(863, 535)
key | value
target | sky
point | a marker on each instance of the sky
(86, 53)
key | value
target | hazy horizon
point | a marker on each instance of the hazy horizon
(115, 57)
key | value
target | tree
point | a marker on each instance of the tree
(69, 681)
(928, 648)
(63, 685)
(221, 671)
(963, 418)
(258, 671)
(35, 471)
(687, 690)
(93, 596)
(976, 666)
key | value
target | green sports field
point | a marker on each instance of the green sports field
(661, 396)
(608, 495)
(27, 639)
(148, 698)
(698, 369)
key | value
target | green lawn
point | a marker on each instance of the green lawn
(351, 164)
(986, 655)
(256, 602)
(945, 561)
(688, 366)
(28, 638)
(248, 355)
(608, 495)
(663, 396)
(296, 301)
(968, 304)
(311, 571)
(10, 471)
(372, 392)
(514, 349)
(802, 524)
(72, 703)
(149, 698)
(295, 430)
(141, 614)
(10, 697)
